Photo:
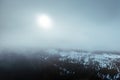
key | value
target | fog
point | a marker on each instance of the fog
(84, 24)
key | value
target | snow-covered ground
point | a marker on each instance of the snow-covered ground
(105, 60)
(105, 65)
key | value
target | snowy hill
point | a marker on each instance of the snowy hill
(59, 64)
(99, 60)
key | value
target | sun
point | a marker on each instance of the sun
(44, 21)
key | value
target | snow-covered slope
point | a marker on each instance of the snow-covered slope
(66, 63)
(104, 59)
(100, 60)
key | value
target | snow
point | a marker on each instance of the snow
(104, 59)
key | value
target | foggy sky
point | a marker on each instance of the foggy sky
(84, 24)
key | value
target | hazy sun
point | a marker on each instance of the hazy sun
(44, 21)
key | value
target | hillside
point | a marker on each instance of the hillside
(58, 64)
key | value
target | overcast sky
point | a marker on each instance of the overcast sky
(84, 24)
